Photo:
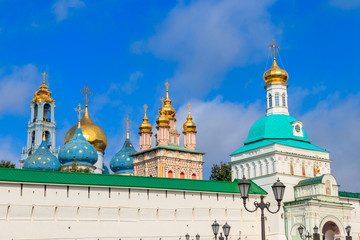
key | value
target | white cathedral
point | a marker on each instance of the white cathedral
(61, 205)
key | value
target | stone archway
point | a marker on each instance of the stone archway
(331, 231)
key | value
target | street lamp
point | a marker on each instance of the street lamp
(187, 236)
(197, 237)
(348, 230)
(215, 228)
(226, 229)
(278, 190)
(315, 236)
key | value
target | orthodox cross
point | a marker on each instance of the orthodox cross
(44, 75)
(162, 100)
(167, 88)
(273, 47)
(79, 110)
(86, 91)
(189, 106)
(127, 126)
(145, 108)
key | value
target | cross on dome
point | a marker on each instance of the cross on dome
(44, 75)
(127, 126)
(189, 106)
(86, 91)
(273, 47)
(145, 108)
(162, 100)
(79, 110)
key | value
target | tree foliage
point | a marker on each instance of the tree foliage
(221, 172)
(75, 167)
(6, 164)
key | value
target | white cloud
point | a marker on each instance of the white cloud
(222, 127)
(17, 89)
(209, 38)
(61, 8)
(131, 85)
(334, 125)
(345, 4)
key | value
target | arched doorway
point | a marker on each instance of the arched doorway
(170, 174)
(182, 175)
(193, 176)
(331, 231)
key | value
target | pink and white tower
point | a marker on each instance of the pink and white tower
(189, 132)
(145, 132)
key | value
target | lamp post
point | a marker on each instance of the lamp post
(226, 229)
(215, 228)
(348, 230)
(187, 236)
(197, 237)
(278, 189)
(315, 236)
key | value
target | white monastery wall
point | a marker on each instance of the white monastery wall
(37, 211)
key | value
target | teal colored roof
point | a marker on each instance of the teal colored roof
(310, 181)
(90, 179)
(78, 150)
(275, 128)
(42, 159)
(123, 160)
(171, 147)
(349, 194)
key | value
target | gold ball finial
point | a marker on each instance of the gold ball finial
(145, 126)
(189, 125)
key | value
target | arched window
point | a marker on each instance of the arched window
(170, 174)
(35, 112)
(283, 100)
(193, 176)
(47, 138)
(182, 175)
(277, 103)
(270, 100)
(47, 113)
(33, 138)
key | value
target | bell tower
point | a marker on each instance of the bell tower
(42, 112)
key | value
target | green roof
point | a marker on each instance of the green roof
(310, 181)
(91, 179)
(275, 128)
(171, 147)
(287, 142)
(349, 194)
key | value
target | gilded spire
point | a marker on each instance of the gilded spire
(43, 94)
(167, 107)
(189, 125)
(275, 75)
(145, 126)
(127, 126)
(79, 110)
(44, 131)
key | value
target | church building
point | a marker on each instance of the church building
(167, 158)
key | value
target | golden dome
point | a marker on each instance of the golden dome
(145, 126)
(92, 132)
(162, 120)
(275, 75)
(189, 125)
(167, 107)
(43, 94)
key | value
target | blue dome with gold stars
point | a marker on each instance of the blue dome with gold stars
(122, 161)
(78, 150)
(42, 159)
(105, 169)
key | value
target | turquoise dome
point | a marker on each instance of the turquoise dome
(105, 169)
(275, 126)
(78, 150)
(42, 159)
(122, 161)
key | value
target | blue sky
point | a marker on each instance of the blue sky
(213, 53)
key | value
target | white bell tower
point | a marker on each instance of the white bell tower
(42, 111)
